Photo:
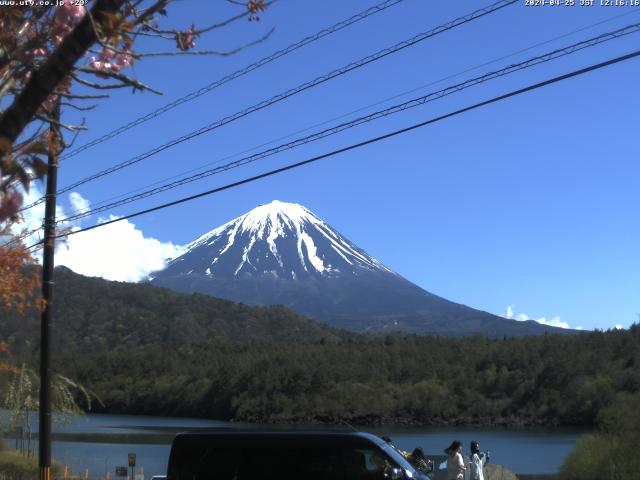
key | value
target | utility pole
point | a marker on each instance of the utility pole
(46, 320)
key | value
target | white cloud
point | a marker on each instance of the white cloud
(118, 251)
(509, 312)
(618, 327)
(79, 203)
(522, 317)
(553, 322)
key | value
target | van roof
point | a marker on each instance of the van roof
(280, 434)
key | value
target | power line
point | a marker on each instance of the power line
(360, 109)
(553, 55)
(237, 74)
(226, 79)
(78, 214)
(300, 88)
(394, 133)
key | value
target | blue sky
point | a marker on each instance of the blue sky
(530, 204)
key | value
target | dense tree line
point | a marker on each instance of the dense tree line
(610, 451)
(550, 380)
(95, 315)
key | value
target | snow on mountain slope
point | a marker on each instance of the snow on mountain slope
(278, 239)
(282, 254)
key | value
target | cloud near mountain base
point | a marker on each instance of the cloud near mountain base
(118, 251)
(522, 317)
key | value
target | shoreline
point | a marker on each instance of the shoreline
(362, 421)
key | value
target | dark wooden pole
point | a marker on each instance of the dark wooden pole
(46, 320)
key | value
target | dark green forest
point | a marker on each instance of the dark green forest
(546, 380)
(94, 315)
(148, 350)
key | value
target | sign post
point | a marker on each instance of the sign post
(132, 463)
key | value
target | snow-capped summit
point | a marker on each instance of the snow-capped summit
(278, 239)
(281, 253)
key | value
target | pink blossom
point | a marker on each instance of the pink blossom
(57, 38)
(124, 60)
(26, 57)
(66, 18)
(40, 52)
(70, 14)
(107, 54)
(110, 61)
(100, 65)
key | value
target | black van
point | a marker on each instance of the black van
(239, 455)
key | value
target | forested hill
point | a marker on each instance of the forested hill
(545, 380)
(94, 315)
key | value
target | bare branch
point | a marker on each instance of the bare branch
(70, 128)
(152, 34)
(73, 140)
(151, 11)
(72, 96)
(232, 19)
(209, 52)
(79, 108)
(224, 23)
(97, 86)
(132, 82)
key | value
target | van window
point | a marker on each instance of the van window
(275, 462)
(203, 463)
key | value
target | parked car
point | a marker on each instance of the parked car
(239, 455)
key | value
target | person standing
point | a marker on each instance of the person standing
(419, 461)
(455, 462)
(477, 462)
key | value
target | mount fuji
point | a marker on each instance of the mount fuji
(281, 253)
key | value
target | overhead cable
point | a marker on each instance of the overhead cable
(232, 76)
(352, 112)
(300, 88)
(553, 55)
(370, 141)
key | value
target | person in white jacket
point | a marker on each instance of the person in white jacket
(455, 462)
(477, 462)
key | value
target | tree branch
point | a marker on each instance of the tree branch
(79, 108)
(45, 79)
(71, 128)
(209, 52)
(126, 81)
(72, 96)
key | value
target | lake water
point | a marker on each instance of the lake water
(102, 442)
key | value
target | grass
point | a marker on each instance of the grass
(523, 476)
(14, 466)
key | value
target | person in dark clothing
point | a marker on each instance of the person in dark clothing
(419, 461)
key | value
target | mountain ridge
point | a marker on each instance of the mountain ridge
(282, 254)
